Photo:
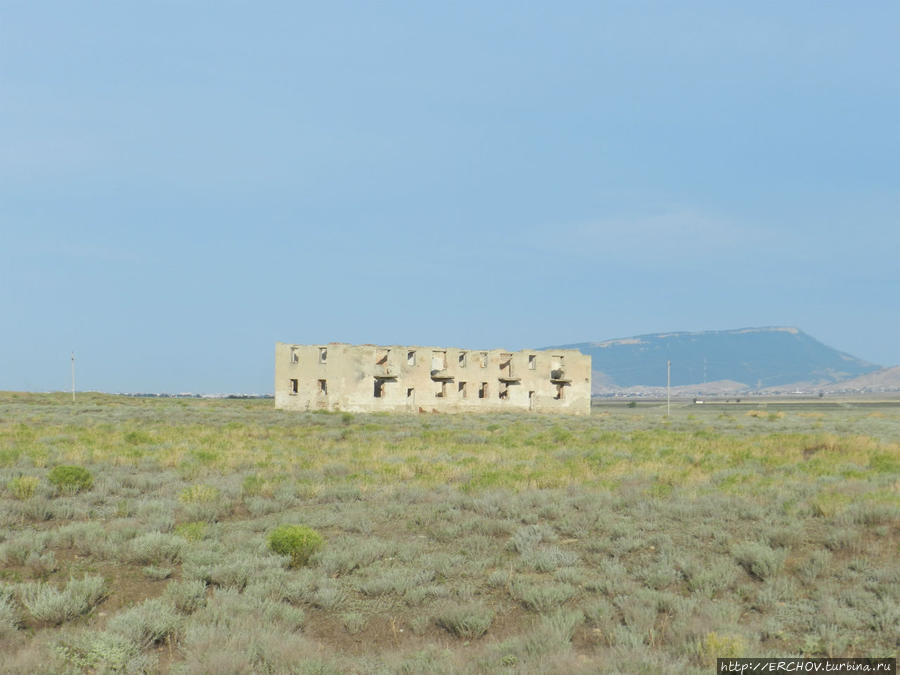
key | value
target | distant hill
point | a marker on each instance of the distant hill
(757, 358)
(886, 379)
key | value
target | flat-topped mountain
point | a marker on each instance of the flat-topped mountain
(755, 357)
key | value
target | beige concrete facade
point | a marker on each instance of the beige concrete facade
(370, 378)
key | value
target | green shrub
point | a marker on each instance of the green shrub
(71, 479)
(199, 494)
(193, 531)
(22, 487)
(297, 541)
(252, 485)
(714, 646)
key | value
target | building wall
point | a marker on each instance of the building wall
(368, 378)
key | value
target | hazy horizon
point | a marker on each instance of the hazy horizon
(184, 185)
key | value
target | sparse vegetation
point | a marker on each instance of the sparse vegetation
(454, 543)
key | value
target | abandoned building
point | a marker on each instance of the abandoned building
(369, 378)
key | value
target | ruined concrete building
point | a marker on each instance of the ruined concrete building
(368, 378)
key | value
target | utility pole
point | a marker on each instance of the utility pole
(668, 388)
(73, 377)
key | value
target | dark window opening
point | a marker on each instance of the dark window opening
(532, 361)
(462, 359)
(504, 391)
(323, 387)
(461, 390)
(295, 356)
(410, 392)
(483, 390)
(410, 358)
(323, 354)
(483, 359)
(531, 400)
(379, 388)
(560, 392)
(295, 387)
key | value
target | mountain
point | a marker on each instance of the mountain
(757, 358)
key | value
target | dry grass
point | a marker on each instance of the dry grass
(452, 543)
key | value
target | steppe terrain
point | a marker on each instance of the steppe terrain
(622, 542)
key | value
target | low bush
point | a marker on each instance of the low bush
(70, 479)
(9, 616)
(105, 652)
(157, 573)
(49, 604)
(297, 541)
(540, 597)
(758, 559)
(22, 487)
(354, 622)
(199, 494)
(193, 531)
(156, 547)
(149, 623)
(186, 596)
(465, 621)
(715, 646)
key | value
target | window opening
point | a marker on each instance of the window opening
(379, 388)
(441, 391)
(411, 358)
(483, 358)
(439, 360)
(506, 365)
(295, 356)
(323, 387)
(532, 361)
(295, 387)
(483, 390)
(381, 356)
(504, 391)
(560, 392)
(323, 354)
(531, 400)
(462, 359)
(410, 392)
(461, 389)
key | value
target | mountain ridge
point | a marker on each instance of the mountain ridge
(759, 357)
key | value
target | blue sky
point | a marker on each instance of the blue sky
(184, 183)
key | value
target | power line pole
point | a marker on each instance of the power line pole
(73, 377)
(668, 388)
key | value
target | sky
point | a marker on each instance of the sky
(182, 184)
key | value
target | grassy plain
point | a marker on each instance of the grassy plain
(623, 542)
